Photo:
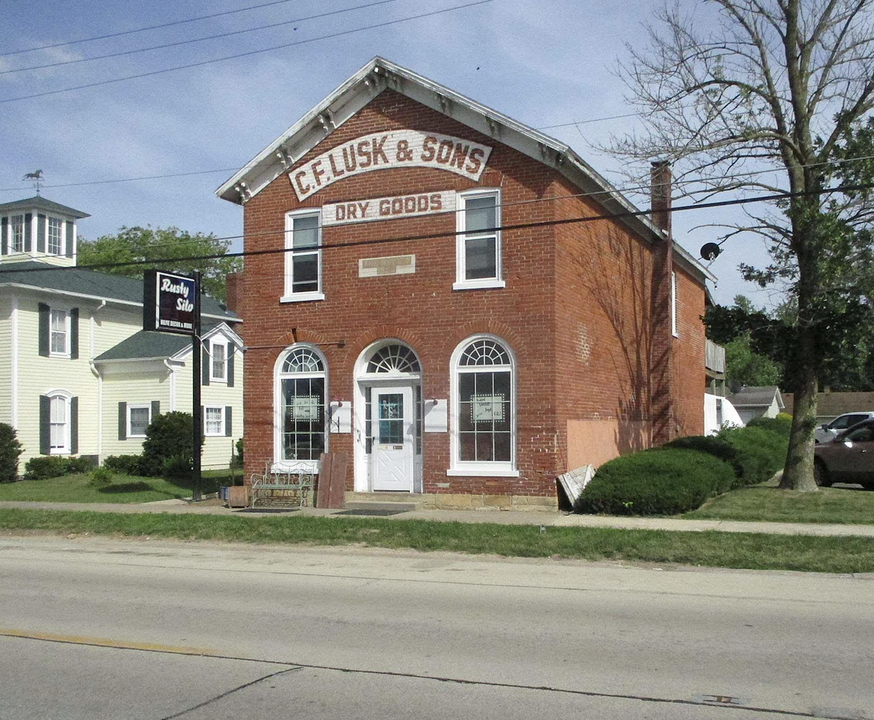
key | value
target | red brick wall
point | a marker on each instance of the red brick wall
(689, 356)
(548, 297)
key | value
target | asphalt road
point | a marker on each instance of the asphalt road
(97, 628)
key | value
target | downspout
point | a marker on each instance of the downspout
(172, 370)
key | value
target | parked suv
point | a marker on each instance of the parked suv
(829, 431)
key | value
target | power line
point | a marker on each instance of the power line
(122, 53)
(446, 234)
(143, 29)
(247, 54)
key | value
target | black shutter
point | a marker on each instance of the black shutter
(74, 426)
(41, 233)
(122, 421)
(228, 418)
(28, 232)
(4, 243)
(45, 428)
(74, 334)
(44, 315)
(232, 350)
(156, 408)
(71, 240)
(204, 367)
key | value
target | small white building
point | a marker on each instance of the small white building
(78, 375)
(756, 402)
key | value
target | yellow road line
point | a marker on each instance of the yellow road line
(104, 642)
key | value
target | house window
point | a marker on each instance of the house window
(303, 261)
(214, 421)
(218, 366)
(478, 244)
(59, 425)
(59, 333)
(16, 230)
(483, 428)
(55, 234)
(300, 405)
(138, 419)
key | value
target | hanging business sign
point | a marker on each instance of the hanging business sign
(169, 302)
(390, 150)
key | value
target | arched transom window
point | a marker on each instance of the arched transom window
(484, 407)
(394, 359)
(301, 397)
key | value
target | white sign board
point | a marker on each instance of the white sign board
(396, 265)
(388, 208)
(386, 151)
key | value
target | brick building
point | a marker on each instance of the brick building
(454, 300)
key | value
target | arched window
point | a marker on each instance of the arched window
(394, 359)
(484, 408)
(302, 424)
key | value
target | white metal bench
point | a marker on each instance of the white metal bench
(288, 487)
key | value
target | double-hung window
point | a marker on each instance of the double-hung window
(59, 425)
(303, 258)
(55, 243)
(218, 362)
(59, 333)
(213, 421)
(16, 233)
(138, 419)
(478, 244)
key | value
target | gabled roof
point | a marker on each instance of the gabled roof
(149, 345)
(37, 202)
(756, 396)
(79, 282)
(380, 74)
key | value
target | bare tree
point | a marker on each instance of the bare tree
(762, 95)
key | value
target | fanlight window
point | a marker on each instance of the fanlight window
(483, 353)
(394, 359)
(302, 360)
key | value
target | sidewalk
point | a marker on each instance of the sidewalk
(213, 507)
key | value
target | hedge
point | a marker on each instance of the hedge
(662, 481)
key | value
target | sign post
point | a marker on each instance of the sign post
(171, 303)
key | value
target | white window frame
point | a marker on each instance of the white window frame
(289, 294)
(137, 406)
(221, 413)
(279, 462)
(49, 221)
(461, 282)
(213, 344)
(65, 398)
(65, 353)
(17, 222)
(458, 467)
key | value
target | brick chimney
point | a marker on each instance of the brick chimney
(234, 292)
(662, 394)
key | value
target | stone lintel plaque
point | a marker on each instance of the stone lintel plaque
(395, 265)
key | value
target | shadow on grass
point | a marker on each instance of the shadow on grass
(127, 488)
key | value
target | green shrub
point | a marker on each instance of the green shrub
(100, 477)
(761, 452)
(79, 465)
(714, 445)
(177, 467)
(237, 460)
(10, 451)
(45, 466)
(124, 464)
(655, 482)
(168, 444)
(781, 424)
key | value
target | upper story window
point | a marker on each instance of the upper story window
(218, 365)
(303, 261)
(55, 244)
(478, 244)
(59, 333)
(16, 233)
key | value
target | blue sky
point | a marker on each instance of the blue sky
(548, 64)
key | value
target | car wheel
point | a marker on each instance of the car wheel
(820, 474)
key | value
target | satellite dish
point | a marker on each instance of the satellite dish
(710, 251)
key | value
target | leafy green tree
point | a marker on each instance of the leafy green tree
(180, 251)
(745, 367)
(786, 87)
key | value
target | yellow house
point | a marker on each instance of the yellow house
(78, 375)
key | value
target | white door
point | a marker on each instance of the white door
(393, 431)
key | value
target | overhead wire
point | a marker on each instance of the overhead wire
(249, 53)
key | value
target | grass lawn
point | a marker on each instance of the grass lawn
(124, 489)
(842, 505)
(712, 549)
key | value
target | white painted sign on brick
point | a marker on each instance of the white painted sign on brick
(386, 151)
(388, 208)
